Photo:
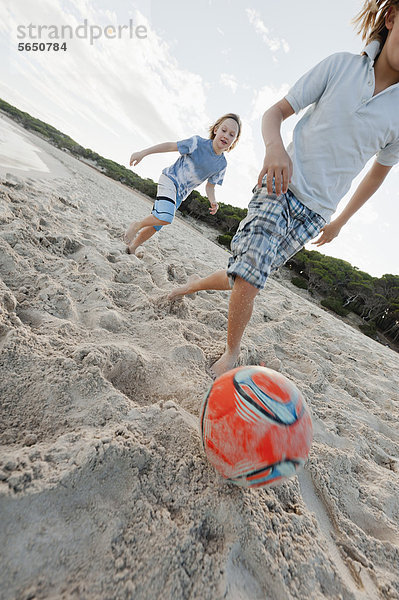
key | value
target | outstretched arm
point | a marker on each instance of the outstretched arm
(366, 188)
(277, 163)
(210, 192)
(165, 147)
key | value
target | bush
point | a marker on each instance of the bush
(300, 283)
(369, 329)
(225, 240)
(335, 304)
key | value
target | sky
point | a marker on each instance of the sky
(156, 71)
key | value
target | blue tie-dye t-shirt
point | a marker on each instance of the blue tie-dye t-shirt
(198, 162)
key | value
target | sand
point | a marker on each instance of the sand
(104, 489)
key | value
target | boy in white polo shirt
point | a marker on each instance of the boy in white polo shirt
(354, 115)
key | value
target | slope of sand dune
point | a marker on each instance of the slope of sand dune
(104, 489)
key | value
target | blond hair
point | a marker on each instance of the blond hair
(235, 118)
(370, 21)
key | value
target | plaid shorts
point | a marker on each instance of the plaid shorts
(275, 228)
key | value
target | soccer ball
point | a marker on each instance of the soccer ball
(256, 428)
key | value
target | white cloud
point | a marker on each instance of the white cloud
(229, 81)
(5, 17)
(274, 43)
(265, 97)
(133, 85)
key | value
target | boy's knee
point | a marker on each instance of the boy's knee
(245, 287)
(161, 224)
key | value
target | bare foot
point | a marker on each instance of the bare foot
(187, 288)
(132, 250)
(131, 232)
(225, 363)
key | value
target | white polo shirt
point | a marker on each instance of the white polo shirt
(345, 127)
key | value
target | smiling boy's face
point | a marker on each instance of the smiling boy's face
(225, 135)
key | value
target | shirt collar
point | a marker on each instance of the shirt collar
(372, 49)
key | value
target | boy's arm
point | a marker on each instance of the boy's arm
(277, 163)
(366, 188)
(210, 192)
(164, 147)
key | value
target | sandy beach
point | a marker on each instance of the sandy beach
(105, 492)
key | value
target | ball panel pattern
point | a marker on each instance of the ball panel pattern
(256, 429)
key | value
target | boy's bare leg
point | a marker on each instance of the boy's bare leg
(240, 311)
(216, 281)
(142, 237)
(135, 227)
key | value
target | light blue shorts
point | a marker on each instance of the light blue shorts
(166, 202)
(275, 228)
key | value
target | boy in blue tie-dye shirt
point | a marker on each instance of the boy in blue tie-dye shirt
(201, 159)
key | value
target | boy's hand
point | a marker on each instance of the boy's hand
(213, 208)
(277, 164)
(136, 158)
(328, 233)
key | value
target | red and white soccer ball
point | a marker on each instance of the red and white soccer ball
(256, 428)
